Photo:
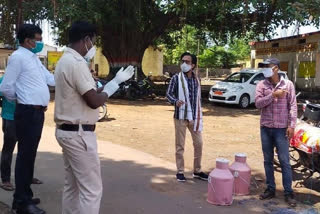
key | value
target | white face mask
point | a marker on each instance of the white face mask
(267, 72)
(90, 54)
(185, 67)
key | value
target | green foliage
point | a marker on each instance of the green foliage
(217, 57)
(240, 48)
(127, 27)
(214, 56)
(225, 56)
(188, 39)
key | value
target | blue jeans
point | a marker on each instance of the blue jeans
(276, 137)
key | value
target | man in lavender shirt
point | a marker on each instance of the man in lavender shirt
(275, 97)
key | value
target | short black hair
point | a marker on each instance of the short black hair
(194, 59)
(81, 29)
(27, 31)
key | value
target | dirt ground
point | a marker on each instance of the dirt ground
(148, 126)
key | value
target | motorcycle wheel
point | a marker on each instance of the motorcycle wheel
(294, 158)
(132, 94)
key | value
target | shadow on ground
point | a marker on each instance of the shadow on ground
(131, 187)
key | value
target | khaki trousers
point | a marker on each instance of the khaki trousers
(180, 130)
(83, 186)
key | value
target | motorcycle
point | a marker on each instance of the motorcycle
(302, 155)
(140, 89)
(122, 91)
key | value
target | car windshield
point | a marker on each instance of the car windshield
(239, 77)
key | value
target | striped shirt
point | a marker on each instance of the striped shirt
(276, 112)
(173, 94)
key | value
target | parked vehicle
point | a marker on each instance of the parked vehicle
(238, 88)
(301, 155)
(122, 91)
(140, 89)
(168, 77)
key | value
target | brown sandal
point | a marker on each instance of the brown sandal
(7, 186)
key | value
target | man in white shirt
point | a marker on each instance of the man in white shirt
(76, 111)
(26, 81)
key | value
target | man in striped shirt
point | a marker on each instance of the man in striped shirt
(188, 65)
(275, 97)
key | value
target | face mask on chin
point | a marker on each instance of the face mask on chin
(38, 48)
(90, 53)
(185, 67)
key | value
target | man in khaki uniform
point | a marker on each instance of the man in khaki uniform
(76, 103)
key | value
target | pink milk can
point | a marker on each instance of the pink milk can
(220, 184)
(242, 174)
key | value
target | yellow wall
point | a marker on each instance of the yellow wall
(103, 65)
(152, 61)
(53, 58)
(307, 70)
(257, 61)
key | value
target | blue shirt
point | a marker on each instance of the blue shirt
(8, 107)
(173, 93)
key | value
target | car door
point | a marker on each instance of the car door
(253, 84)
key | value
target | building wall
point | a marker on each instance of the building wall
(4, 54)
(302, 61)
(152, 62)
(44, 53)
(100, 64)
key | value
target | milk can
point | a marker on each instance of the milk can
(220, 184)
(242, 174)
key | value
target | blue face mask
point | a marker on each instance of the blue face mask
(38, 48)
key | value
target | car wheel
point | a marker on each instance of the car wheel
(244, 101)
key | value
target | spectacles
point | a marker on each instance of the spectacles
(186, 61)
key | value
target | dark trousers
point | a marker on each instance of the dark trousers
(9, 142)
(29, 124)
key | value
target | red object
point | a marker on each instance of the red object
(220, 184)
(242, 175)
(296, 140)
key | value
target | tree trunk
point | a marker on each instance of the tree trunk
(122, 53)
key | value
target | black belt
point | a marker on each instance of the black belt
(38, 107)
(75, 127)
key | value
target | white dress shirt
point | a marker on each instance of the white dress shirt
(26, 79)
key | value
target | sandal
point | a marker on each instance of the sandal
(36, 181)
(7, 186)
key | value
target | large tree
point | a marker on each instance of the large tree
(128, 27)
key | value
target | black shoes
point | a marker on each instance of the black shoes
(180, 177)
(289, 198)
(30, 209)
(35, 201)
(268, 194)
(200, 175)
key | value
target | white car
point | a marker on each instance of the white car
(238, 88)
